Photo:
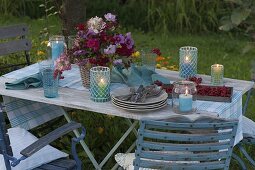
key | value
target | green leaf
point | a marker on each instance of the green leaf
(41, 5)
(226, 26)
(239, 15)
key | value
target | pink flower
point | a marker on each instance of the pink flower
(110, 17)
(61, 64)
(96, 24)
(111, 49)
(129, 41)
(93, 44)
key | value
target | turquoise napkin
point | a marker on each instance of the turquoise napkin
(135, 76)
(34, 80)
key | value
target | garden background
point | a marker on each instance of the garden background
(223, 32)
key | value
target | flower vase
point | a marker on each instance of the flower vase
(85, 76)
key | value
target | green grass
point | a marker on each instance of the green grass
(104, 131)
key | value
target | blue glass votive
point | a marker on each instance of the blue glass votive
(188, 62)
(50, 84)
(57, 44)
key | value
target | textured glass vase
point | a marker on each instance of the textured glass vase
(188, 62)
(100, 84)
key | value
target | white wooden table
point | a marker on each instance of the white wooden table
(77, 99)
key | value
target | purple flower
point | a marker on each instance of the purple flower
(111, 49)
(110, 17)
(129, 41)
(117, 62)
(119, 39)
(80, 52)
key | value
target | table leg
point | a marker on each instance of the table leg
(115, 147)
(130, 129)
(83, 144)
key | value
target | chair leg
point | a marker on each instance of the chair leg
(246, 154)
(247, 101)
(239, 160)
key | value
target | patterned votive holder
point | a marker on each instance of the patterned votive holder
(57, 46)
(50, 83)
(100, 84)
(188, 62)
(217, 72)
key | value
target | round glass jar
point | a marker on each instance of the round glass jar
(184, 96)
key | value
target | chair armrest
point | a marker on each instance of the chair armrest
(47, 139)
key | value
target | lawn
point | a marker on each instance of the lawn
(104, 131)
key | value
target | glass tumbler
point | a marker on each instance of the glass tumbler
(148, 59)
(50, 83)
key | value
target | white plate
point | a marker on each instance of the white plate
(138, 106)
(151, 100)
(141, 110)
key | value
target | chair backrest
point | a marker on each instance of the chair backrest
(13, 40)
(5, 147)
(179, 143)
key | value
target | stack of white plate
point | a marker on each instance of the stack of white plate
(150, 104)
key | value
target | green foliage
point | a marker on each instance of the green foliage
(163, 15)
(242, 18)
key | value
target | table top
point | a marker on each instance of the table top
(77, 99)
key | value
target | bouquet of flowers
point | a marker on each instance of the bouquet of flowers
(99, 43)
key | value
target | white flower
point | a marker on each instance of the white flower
(96, 24)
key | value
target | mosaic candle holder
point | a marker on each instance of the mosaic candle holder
(57, 45)
(100, 84)
(188, 62)
(217, 72)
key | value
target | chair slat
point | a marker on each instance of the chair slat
(13, 31)
(15, 46)
(183, 156)
(185, 147)
(190, 126)
(184, 165)
(187, 137)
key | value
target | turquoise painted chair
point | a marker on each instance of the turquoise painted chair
(179, 143)
(248, 135)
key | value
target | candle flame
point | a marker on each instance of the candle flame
(187, 58)
(102, 80)
(186, 92)
(217, 65)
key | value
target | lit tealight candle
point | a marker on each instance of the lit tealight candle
(185, 102)
(217, 71)
(101, 87)
(187, 59)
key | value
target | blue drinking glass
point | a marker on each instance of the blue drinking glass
(50, 84)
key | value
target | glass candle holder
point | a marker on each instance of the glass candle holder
(100, 84)
(50, 83)
(217, 72)
(148, 59)
(184, 96)
(57, 46)
(70, 41)
(188, 62)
